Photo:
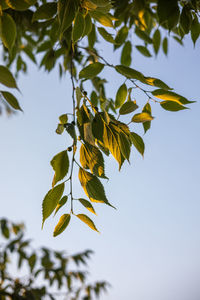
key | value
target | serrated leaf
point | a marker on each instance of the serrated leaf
(137, 142)
(66, 14)
(87, 205)
(60, 164)
(6, 78)
(87, 221)
(103, 19)
(51, 200)
(92, 187)
(91, 71)
(142, 117)
(60, 204)
(129, 72)
(156, 41)
(45, 11)
(62, 224)
(105, 35)
(168, 95)
(172, 106)
(121, 95)
(20, 4)
(126, 54)
(143, 50)
(147, 125)
(11, 99)
(78, 29)
(128, 107)
(7, 30)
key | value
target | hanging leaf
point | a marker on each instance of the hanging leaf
(60, 204)
(78, 29)
(128, 107)
(66, 14)
(60, 128)
(63, 119)
(186, 19)
(156, 82)
(6, 78)
(126, 54)
(62, 224)
(142, 117)
(88, 25)
(60, 164)
(195, 29)
(7, 31)
(121, 35)
(92, 187)
(143, 35)
(147, 109)
(165, 46)
(87, 221)
(51, 200)
(91, 71)
(172, 106)
(156, 41)
(11, 100)
(20, 4)
(103, 19)
(129, 72)
(143, 50)
(168, 95)
(105, 35)
(92, 37)
(45, 11)
(137, 142)
(121, 95)
(87, 205)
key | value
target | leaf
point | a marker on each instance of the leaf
(6, 78)
(7, 31)
(60, 204)
(87, 205)
(10, 98)
(168, 11)
(195, 29)
(124, 145)
(172, 106)
(156, 82)
(66, 14)
(20, 4)
(45, 11)
(186, 19)
(168, 95)
(88, 25)
(156, 41)
(101, 3)
(62, 224)
(78, 29)
(63, 119)
(32, 261)
(60, 164)
(143, 50)
(78, 96)
(92, 37)
(51, 200)
(60, 128)
(142, 117)
(147, 125)
(102, 18)
(121, 95)
(105, 35)
(92, 186)
(143, 35)
(91, 71)
(137, 142)
(128, 107)
(165, 45)
(87, 221)
(129, 72)
(126, 54)
(121, 35)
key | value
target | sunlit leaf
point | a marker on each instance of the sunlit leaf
(87, 205)
(87, 221)
(156, 82)
(91, 71)
(137, 142)
(63, 119)
(121, 95)
(60, 164)
(60, 204)
(147, 109)
(168, 95)
(62, 224)
(142, 117)
(102, 18)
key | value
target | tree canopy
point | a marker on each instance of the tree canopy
(65, 34)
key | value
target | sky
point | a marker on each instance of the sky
(149, 247)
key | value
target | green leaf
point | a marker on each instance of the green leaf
(60, 204)
(142, 117)
(143, 35)
(105, 35)
(137, 142)
(168, 11)
(195, 29)
(63, 119)
(100, 3)
(92, 37)
(60, 164)
(32, 261)
(88, 25)
(78, 96)
(87, 205)
(66, 14)
(186, 19)
(168, 95)
(103, 19)
(156, 82)
(6, 78)
(11, 100)
(51, 200)
(172, 106)
(128, 107)
(7, 31)
(121, 35)
(62, 224)
(45, 11)
(156, 41)
(165, 46)
(87, 221)
(20, 4)
(121, 95)
(129, 72)
(78, 29)
(147, 109)
(91, 71)
(60, 128)
(124, 145)
(126, 54)
(143, 50)
(92, 186)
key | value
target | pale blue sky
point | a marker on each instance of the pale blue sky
(149, 248)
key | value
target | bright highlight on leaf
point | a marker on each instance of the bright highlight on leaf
(62, 224)
(60, 164)
(87, 205)
(142, 117)
(87, 221)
